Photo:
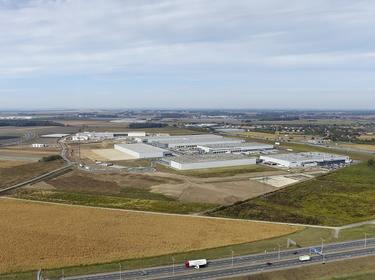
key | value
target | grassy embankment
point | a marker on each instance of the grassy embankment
(304, 238)
(16, 174)
(341, 197)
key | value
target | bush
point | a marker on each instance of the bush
(50, 158)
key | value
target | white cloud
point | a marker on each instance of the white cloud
(100, 36)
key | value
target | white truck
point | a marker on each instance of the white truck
(304, 258)
(196, 263)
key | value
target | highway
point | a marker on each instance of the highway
(243, 265)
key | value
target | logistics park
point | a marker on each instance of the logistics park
(183, 203)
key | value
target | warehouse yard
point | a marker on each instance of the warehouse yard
(50, 235)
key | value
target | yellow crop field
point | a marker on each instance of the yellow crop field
(11, 163)
(366, 147)
(35, 234)
(261, 135)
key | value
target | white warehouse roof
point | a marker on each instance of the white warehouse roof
(209, 161)
(247, 145)
(141, 150)
(299, 159)
(188, 140)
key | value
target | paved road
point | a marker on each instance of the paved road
(244, 264)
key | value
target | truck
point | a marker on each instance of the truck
(197, 264)
(304, 258)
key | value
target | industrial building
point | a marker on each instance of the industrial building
(98, 136)
(305, 159)
(209, 161)
(187, 141)
(39, 145)
(247, 147)
(140, 150)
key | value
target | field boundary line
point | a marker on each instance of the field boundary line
(170, 214)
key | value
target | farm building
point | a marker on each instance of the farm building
(305, 159)
(235, 148)
(209, 161)
(186, 141)
(140, 150)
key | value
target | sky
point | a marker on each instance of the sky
(261, 54)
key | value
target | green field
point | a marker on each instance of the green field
(341, 197)
(310, 148)
(304, 238)
(148, 202)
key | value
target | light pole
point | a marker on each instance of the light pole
(365, 240)
(322, 246)
(279, 253)
(173, 260)
(120, 271)
(62, 273)
(232, 258)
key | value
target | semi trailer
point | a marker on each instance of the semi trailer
(196, 263)
(304, 258)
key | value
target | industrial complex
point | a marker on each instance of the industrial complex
(99, 136)
(187, 141)
(200, 151)
(235, 148)
(304, 159)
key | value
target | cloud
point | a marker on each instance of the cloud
(103, 36)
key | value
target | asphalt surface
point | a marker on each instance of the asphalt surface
(243, 265)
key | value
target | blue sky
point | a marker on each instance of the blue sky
(187, 53)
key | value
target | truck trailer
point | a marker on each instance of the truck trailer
(304, 258)
(196, 263)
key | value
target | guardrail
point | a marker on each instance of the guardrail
(38, 178)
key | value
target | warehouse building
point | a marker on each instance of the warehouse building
(187, 141)
(140, 150)
(305, 159)
(247, 147)
(209, 161)
(99, 136)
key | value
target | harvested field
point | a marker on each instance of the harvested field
(11, 163)
(24, 154)
(107, 183)
(50, 235)
(364, 147)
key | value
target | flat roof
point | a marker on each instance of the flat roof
(207, 158)
(236, 145)
(141, 148)
(308, 156)
(56, 135)
(180, 137)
